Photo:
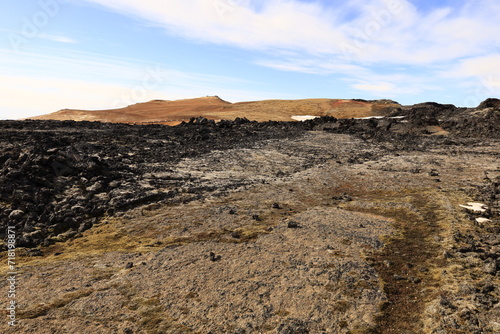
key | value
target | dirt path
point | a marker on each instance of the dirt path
(408, 265)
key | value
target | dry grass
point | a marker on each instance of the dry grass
(153, 317)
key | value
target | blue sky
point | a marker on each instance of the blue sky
(100, 54)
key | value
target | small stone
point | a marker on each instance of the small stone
(293, 224)
(84, 226)
(447, 254)
(236, 235)
(16, 215)
(78, 209)
(276, 206)
(343, 198)
(256, 218)
(415, 280)
(467, 289)
(214, 258)
(491, 267)
(129, 265)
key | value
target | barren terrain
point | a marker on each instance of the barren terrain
(323, 226)
(213, 107)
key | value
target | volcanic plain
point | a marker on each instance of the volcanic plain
(236, 225)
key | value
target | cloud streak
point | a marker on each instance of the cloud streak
(57, 38)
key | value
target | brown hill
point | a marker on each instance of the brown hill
(213, 107)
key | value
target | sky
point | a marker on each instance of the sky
(102, 54)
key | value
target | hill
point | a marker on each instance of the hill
(213, 107)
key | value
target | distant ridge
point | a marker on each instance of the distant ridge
(213, 107)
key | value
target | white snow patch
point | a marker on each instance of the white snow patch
(482, 220)
(475, 207)
(303, 118)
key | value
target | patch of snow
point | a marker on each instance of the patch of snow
(370, 117)
(475, 207)
(482, 220)
(303, 118)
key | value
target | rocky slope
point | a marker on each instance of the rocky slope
(323, 226)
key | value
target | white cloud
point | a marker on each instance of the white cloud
(390, 31)
(318, 65)
(57, 38)
(278, 24)
(483, 66)
(478, 77)
(393, 86)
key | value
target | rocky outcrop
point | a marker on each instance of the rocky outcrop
(489, 103)
(57, 178)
